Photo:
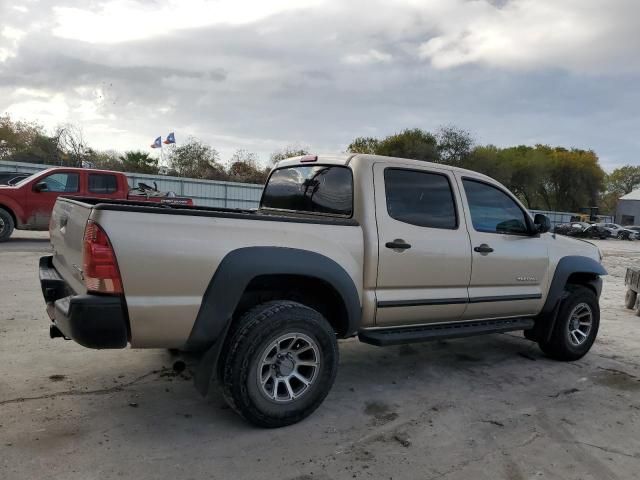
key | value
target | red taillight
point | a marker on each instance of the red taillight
(99, 265)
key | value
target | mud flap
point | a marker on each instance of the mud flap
(207, 370)
(544, 326)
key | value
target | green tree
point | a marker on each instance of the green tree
(196, 159)
(616, 184)
(288, 152)
(623, 180)
(244, 168)
(27, 142)
(139, 162)
(368, 145)
(454, 144)
(410, 143)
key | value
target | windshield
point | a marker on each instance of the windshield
(24, 180)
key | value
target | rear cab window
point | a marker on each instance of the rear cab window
(103, 183)
(319, 189)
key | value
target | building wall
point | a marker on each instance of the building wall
(628, 212)
(209, 193)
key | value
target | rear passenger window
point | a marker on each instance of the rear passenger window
(100, 183)
(420, 198)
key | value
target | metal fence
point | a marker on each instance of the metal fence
(210, 193)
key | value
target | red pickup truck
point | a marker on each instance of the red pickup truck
(28, 204)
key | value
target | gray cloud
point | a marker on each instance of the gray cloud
(322, 75)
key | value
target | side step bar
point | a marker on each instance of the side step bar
(423, 333)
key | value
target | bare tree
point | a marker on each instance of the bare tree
(71, 142)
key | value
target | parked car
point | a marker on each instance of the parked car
(11, 178)
(618, 231)
(27, 205)
(391, 250)
(582, 230)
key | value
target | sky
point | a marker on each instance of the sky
(262, 75)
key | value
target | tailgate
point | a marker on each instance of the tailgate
(66, 229)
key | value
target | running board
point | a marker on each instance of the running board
(423, 333)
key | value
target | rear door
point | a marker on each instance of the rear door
(424, 257)
(509, 265)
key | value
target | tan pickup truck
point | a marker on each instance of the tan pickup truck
(388, 249)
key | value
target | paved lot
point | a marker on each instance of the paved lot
(483, 408)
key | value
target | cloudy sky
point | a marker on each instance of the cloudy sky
(262, 74)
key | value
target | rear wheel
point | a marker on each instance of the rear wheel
(576, 325)
(280, 362)
(630, 299)
(6, 225)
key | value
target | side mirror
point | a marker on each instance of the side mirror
(40, 187)
(542, 223)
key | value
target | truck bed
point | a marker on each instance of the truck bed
(167, 255)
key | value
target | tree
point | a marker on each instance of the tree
(139, 162)
(454, 144)
(367, 145)
(244, 168)
(623, 180)
(410, 143)
(288, 152)
(196, 159)
(616, 184)
(71, 142)
(27, 142)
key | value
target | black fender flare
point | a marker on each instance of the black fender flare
(239, 267)
(546, 319)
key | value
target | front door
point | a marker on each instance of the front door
(424, 257)
(509, 265)
(41, 203)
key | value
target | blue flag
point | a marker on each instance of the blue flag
(157, 143)
(171, 138)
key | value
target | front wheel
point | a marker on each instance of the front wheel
(280, 362)
(576, 325)
(6, 225)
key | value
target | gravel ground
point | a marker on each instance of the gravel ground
(484, 408)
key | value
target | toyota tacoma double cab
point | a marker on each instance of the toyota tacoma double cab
(387, 249)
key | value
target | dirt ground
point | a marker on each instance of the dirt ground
(483, 408)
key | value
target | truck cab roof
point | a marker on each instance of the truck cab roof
(348, 159)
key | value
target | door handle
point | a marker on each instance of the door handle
(484, 248)
(398, 244)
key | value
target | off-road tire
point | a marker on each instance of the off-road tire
(559, 346)
(248, 339)
(630, 299)
(6, 225)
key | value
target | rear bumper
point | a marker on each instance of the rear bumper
(93, 321)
